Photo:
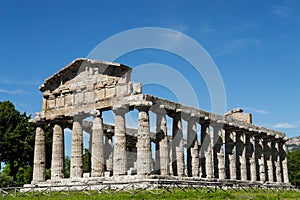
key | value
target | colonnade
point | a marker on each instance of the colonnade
(223, 151)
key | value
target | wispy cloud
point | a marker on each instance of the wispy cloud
(260, 111)
(11, 91)
(25, 83)
(281, 10)
(206, 29)
(285, 125)
(238, 44)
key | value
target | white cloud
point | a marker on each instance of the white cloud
(285, 125)
(260, 111)
(11, 91)
(281, 10)
(238, 44)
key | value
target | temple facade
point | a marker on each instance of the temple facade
(214, 148)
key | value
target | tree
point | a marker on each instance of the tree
(294, 167)
(17, 143)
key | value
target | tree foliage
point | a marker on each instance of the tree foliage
(17, 143)
(294, 167)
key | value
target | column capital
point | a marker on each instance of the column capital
(120, 108)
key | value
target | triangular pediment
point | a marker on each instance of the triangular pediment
(84, 69)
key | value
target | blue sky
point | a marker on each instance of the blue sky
(255, 45)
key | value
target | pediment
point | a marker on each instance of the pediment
(83, 72)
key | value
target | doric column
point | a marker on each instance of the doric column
(192, 148)
(284, 163)
(252, 159)
(57, 162)
(177, 147)
(109, 153)
(161, 124)
(206, 152)
(143, 142)
(259, 159)
(241, 155)
(39, 156)
(218, 152)
(269, 162)
(230, 161)
(97, 152)
(119, 155)
(76, 163)
(277, 162)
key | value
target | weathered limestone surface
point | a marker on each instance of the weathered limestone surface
(39, 156)
(177, 147)
(57, 164)
(76, 162)
(230, 146)
(97, 160)
(119, 155)
(143, 143)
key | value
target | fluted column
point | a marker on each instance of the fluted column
(109, 153)
(177, 147)
(252, 159)
(230, 161)
(241, 156)
(269, 162)
(143, 142)
(119, 155)
(284, 163)
(219, 162)
(97, 153)
(76, 163)
(206, 152)
(39, 156)
(57, 162)
(259, 158)
(277, 163)
(192, 148)
(161, 124)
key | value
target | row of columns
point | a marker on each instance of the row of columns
(224, 153)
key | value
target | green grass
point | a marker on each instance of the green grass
(177, 194)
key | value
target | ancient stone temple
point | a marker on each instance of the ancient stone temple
(215, 148)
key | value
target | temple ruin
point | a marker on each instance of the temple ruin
(227, 147)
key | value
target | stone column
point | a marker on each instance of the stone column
(284, 163)
(241, 156)
(119, 155)
(161, 124)
(230, 161)
(206, 152)
(97, 152)
(218, 152)
(269, 162)
(259, 159)
(192, 148)
(277, 162)
(143, 143)
(109, 153)
(177, 147)
(252, 159)
(76, 163)
(57, 162)
(39, 156)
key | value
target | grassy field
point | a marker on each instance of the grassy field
(178, 194)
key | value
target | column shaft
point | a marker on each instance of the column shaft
(206, 152)
(230, 160)
(97, 154)
(284, 164)
(218, 152)
(192, 149)
(252, 160)
(241, 156)
(163, 145)
(39, 156)
(57, 163)
(76, 163)
(177, 147)
(143, 143)
(119, 155)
